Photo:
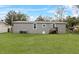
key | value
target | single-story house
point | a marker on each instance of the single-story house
(38, 26)
(4, 27)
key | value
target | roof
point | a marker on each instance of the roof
(39, 22)
(2, 22)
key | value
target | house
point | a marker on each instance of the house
(38, 26)
(3, 27)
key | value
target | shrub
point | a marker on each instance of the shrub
(23, 32)
(76, 30)
(52, 31)
(8, 30)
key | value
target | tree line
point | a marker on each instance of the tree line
(18, 16)
(14, 16)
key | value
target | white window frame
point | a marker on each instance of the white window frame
(43, 26)
(54, 25)
(33, 26)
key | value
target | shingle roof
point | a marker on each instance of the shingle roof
(3, 22)
(23, 22)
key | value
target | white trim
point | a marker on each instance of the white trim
(54, 25)
(33, 26)
(43, 26)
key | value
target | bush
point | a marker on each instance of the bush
(76, 30)
(53, 31)
(8, 30)
(23, 32)
(71, 28)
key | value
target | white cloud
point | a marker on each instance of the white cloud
(4, 11)
(33, 18)
(41, 9)
(2, 14)
(28, 9)
(2, 6)
(51, 11)
(75, 11)
(68, 8)
(65, 16)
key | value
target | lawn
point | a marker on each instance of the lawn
(39, 44)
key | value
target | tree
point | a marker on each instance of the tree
(14, 16)
(59, 13)
(48, 18)
(77, 6)
(10, 17)
(71, 21)
(44, 18)
(40, 18)
(77, 20)
(21, 17)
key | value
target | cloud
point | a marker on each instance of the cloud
(33, 18)
(4, 11)
(41, 9)
(5, 6)
(73, 9)
(68, 6)
(51, 11)
(27, 9)
(1, 6)
(3, 14)
(69, 9)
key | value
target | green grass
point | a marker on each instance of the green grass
(39, 44)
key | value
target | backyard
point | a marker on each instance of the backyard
(11, 43)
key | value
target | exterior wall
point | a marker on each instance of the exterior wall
(22, 27)
(41, 29)
(61, 27)
(3, 27)
(29, 27)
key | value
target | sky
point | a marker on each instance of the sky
(35, 10)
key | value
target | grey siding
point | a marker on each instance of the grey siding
(22, 27)
(61, 28)
(29, 27)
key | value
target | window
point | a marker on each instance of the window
(34, 26)
(54, 25)
(43, 25)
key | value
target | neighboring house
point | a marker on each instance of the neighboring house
(38, 26)
(3, 27)
(76, 28)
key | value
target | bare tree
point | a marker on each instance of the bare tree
(77, 6)
(59, 13)
(40, 18)
(44, 18)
